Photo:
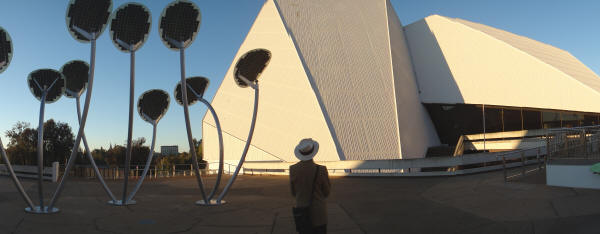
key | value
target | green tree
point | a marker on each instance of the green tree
(22, 146)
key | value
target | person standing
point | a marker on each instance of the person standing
(310, 190)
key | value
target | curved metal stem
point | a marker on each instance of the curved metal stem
(40, 149)
(130, 127)
(147, 167)
(86, 106)
(245, 152)
(186, 114)
(220, 133)
(14, 177)
(90, 157)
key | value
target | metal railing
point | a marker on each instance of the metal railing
(135, 171)
(580, 143)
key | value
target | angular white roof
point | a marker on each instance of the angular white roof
(458, 61)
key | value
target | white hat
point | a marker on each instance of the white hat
(306, 149)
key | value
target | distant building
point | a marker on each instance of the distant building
(166, 150)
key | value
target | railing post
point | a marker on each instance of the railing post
(537, 156)
(55, 167)
(504, 167)
(523, 163)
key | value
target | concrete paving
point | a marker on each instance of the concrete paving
(480, 203)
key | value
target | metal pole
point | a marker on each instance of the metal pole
(188, 125)
(147, 167)
(483, 111)
(90, 157)
(86, 106)
(504, 168)
(523, 163)
(220, 133)
(40, 148)
(246, 147)
(14, 177)
(130, 127)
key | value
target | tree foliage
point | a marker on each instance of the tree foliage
(22, 146)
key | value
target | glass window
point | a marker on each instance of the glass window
(590, 120)
(551, 119)
(493, 119)
(451, 121)
(532, 119)
(570, 119)
(512, 119)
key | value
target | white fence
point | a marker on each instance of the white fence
(49, 173)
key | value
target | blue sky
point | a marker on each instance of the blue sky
(41, 40)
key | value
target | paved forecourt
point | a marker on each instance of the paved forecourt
(480, 203)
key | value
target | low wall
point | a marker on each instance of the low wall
(49, 173)
(572, 173)
(480, 162)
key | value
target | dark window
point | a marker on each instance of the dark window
(532, 119)
(493, 119)
(512, 119)
(451, 121)
(570, 119)
(590, 120)
(551, 119)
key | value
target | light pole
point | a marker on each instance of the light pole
(196, 86)
(76, 74)
(86, 20)
(247, 70)
(152, 106)
(129, 28)
(47, 85)
(178, 26)
(6, 51)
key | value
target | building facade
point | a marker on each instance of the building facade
(349, 75)
(166, 150)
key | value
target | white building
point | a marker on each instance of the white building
(349, 75)
(166, 150)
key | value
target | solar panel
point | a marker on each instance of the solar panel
(153, 104)
(44, 78)
(89, 15)
(76, 75)
(130, 23)
(197, 83)
(179, 21)
(251, 65)
(6, 50)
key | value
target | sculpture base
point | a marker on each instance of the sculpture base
(120, 203)
(39, 210)
(212, 202)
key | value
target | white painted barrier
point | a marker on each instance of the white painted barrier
(50, 173)
(572, 174)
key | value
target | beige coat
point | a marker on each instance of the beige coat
(301, 180)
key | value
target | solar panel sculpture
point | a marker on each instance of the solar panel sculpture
(196, 86)
(178, 26)
(76, 74)
(152, 106)
(130, 25)
(86, 20)
(6, 51)
(246, 73)
(129, 28)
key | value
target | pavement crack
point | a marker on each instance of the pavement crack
(18, 225)
(351, 217)
(554, 209)
(97, 227)
(274, 221)
(189, 228)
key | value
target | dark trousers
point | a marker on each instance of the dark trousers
(317, 230)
